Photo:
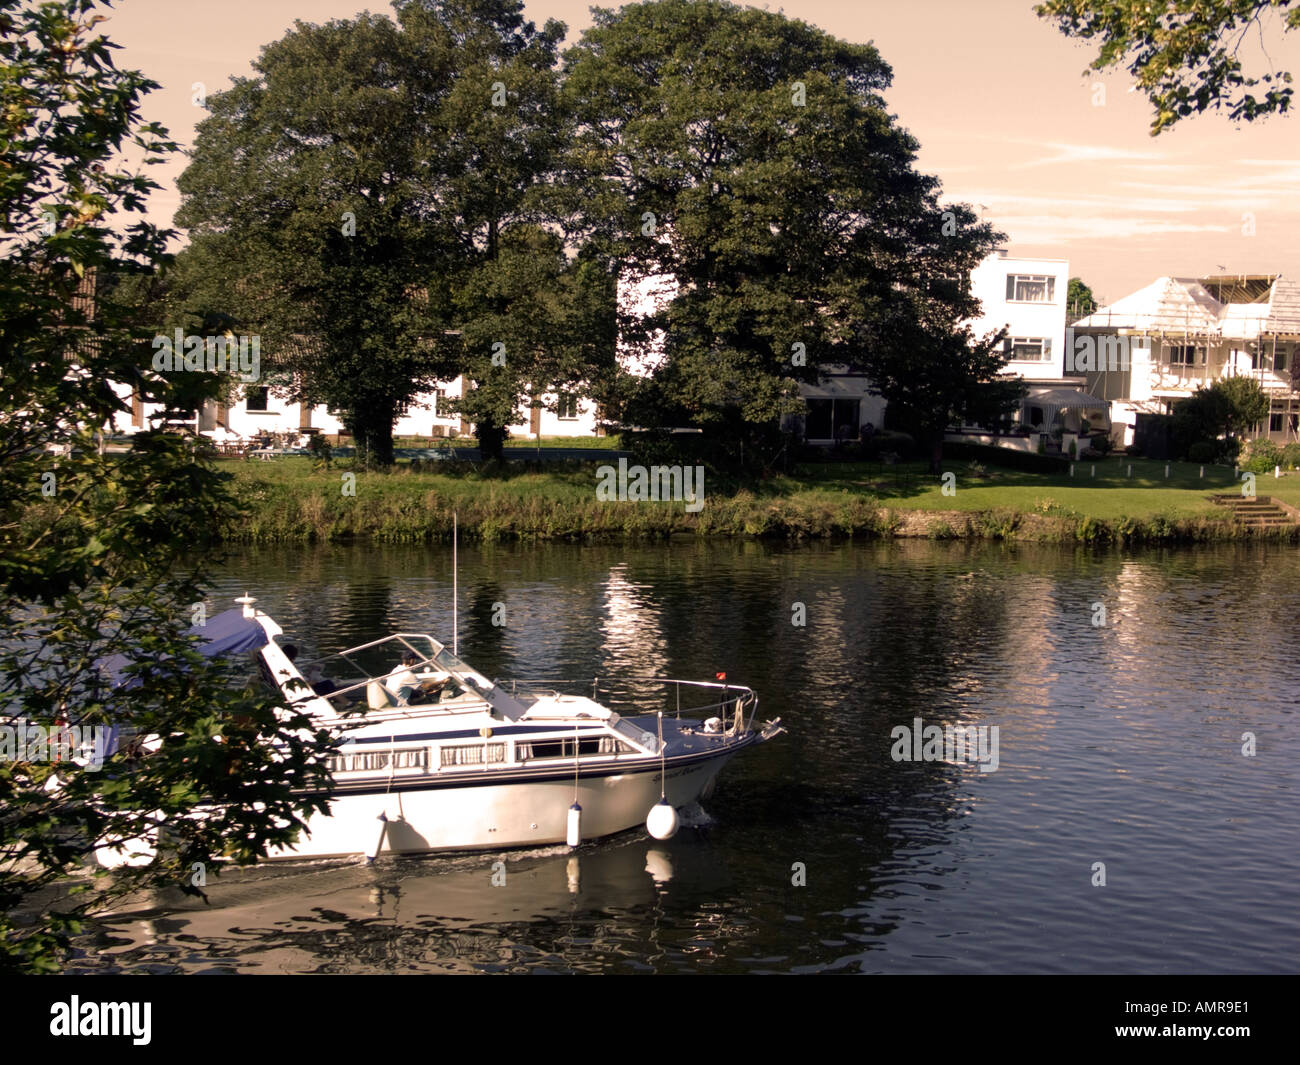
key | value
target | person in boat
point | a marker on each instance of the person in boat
(320, 683)
(410, 688)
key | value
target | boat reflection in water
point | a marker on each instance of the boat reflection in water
(551, 909)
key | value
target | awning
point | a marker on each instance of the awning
(1055, 400)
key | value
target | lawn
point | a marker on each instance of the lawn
(1104, 489)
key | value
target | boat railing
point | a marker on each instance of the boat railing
(341, 696)
(735, 704)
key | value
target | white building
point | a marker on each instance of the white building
(257, 409)
(1026, 296)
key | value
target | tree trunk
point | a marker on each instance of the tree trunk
(379, 444)
(491, 439)
(373, 434)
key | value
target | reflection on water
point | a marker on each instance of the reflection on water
(1120, 744)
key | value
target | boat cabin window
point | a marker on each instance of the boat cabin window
(563, 748)
(402, 758)
(473, 754)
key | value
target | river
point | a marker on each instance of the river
(1140, 817)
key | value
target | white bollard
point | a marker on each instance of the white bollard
(1130, 470)
(1202, 471)
(1071, 469)
(1094, 470)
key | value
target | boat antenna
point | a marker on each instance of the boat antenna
(455, 601)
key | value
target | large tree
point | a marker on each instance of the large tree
(102, 554)
(750, 158)
(1186, 54)
(343, 201)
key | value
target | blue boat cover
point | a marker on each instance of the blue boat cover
(228, 633)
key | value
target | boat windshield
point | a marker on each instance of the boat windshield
(449, 663)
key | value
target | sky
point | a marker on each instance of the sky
(1058, 159)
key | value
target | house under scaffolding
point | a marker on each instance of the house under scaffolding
(1156, 346)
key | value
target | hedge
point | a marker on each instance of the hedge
(1007, 457)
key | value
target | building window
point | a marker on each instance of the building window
(1186, 355)
(1029, 349)
(831, 419)
(1280, 359)
(567, 407)
(256, 399)
(1031, 288)
(440, 404)
(1275, 421)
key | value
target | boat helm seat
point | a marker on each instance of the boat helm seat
(378, 696)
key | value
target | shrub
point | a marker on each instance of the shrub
(1227, 450)
(1202, 451)
(884, 441)
(1261, 456)
(1291, 455)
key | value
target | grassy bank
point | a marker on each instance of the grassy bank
(288, 501)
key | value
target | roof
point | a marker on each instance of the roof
(837, 386)
(1168, 304)
(1184, 306)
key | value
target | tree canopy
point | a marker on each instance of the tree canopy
(749, 157)
(1186, 54)
(102, 554)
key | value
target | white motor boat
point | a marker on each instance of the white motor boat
(478, 764)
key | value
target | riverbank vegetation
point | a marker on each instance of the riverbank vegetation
(1119, 500)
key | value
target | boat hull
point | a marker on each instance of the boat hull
(489, 816)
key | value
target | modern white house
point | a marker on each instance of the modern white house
(1027, 298)
(1156, 346)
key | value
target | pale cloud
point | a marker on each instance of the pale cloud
(1054, 229)
(1074, 154)
(1099, 204)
